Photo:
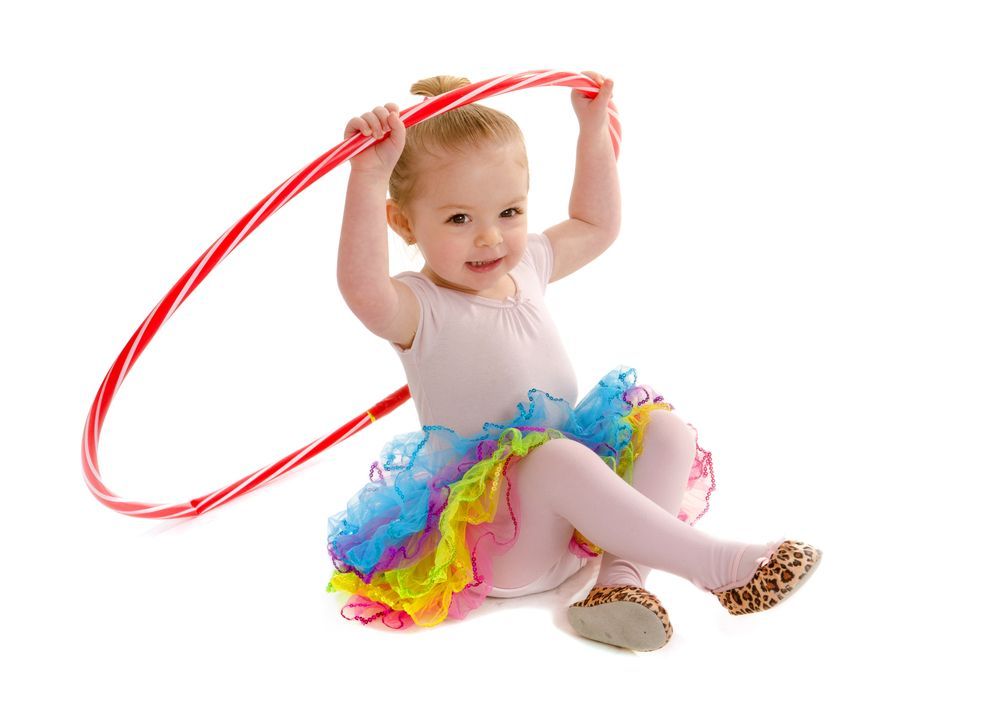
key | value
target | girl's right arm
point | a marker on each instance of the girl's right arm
(385, 306)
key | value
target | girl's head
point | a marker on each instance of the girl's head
(459, 191)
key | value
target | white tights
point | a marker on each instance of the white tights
(563, 485)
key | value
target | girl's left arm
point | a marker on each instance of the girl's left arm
(595, 202)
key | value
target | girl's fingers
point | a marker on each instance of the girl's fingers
(396, 124)
(356, 124)
(383, 116)
(374, 123)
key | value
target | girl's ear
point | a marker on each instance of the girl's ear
(400, 224)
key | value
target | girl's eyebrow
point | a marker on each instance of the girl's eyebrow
(513, 200)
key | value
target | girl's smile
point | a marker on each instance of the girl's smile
(483, 267)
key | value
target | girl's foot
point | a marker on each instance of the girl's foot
(622, 615)
(775, 580)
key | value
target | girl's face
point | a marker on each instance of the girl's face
(470, 207)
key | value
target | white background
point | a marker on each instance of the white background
(804, 270)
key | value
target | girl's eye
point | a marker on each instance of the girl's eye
(517, 212)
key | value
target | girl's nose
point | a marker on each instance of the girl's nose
(490, 238)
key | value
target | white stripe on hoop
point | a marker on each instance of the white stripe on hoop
(239, 489)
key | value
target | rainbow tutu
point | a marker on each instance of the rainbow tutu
(415, 545)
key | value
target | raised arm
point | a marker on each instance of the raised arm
(385, 306)
(595, 203)
(363, 258)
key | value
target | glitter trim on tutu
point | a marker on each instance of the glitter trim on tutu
(412, 546)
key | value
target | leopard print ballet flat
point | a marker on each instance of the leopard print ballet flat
(622, 615)
(792, 563)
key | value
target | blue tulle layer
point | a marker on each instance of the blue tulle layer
(393, 520)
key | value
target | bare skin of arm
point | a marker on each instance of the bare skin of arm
(384, 305)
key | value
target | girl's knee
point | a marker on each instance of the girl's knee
(667, 426)
(557, 450)
(553, 457)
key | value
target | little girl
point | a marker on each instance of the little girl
(509, 489)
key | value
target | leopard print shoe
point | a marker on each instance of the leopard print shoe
(622, 615)
(792, 563)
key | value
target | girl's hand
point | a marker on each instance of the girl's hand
(592, 109)
(381, 157)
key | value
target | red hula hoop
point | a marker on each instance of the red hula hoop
(229, 240)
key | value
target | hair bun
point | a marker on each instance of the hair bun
(433, 86)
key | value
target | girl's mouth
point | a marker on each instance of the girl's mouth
(483, 267)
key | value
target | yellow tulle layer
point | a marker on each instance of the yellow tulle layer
(424, 590)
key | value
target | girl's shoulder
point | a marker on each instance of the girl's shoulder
(539, 252)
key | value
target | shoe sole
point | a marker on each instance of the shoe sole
(622, 624)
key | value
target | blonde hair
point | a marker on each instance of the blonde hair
(456, 131)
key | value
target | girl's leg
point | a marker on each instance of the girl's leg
(660, 473)
(542, 536)
(562, 485)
